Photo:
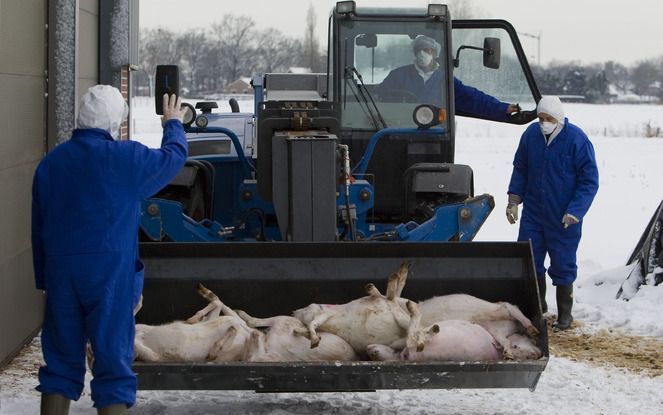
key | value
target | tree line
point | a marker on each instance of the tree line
(601, 82)
(210, 59)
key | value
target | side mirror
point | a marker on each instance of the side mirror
(167, 82)
(491, 52)
(369, 40)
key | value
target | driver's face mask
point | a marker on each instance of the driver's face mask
(423, 59)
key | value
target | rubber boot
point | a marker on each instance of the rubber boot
(564, 306)
(117, 409)
(542, 294)
(54, 404)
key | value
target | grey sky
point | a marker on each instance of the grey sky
(580, 30)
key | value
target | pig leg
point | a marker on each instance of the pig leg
(501, 339)
(372, 290)
(212, 310)
(255, 347)
(254, 322)
(144, 353)
(402, 277)
(397, 282)
(415, 336)
(227, 338)
(301, 332)
(204, 314)
(514, 313)
(317, 322)
(392, 286)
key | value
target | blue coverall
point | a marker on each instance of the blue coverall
(553, 180)
(85, 218)
(466, 98)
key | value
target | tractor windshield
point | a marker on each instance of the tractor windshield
(380, 83)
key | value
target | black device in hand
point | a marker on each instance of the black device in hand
(167, 82)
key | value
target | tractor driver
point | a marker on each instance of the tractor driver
(423, 78)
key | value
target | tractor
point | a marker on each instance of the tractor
(329, 184)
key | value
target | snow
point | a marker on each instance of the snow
(631, 188)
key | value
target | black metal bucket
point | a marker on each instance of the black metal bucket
(267, 279)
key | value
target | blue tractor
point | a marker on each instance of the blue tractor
(329, 184)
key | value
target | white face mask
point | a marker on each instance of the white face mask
(423, 59)
(547, 127)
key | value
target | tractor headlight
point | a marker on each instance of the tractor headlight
(426, 116)
(202, 121)
(344, 7)
(437, 10)
(189, 115)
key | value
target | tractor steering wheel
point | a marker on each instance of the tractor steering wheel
(399, 95)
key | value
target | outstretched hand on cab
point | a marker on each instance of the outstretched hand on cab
(172, 108)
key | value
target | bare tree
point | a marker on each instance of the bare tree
(644, 75)
(192, 47)
(276, 52)
(618, 75)
(311, 56)
(235, 37)
(157, 47)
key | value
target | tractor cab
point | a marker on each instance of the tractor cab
(373, 79)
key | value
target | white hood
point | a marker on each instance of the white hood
(103, 107)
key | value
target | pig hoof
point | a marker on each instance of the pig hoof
(315, 342)
(532, 331)
(420, 347)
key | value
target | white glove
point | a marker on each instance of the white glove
(172, 108)
(512, 208)
(569, 219)
(512, 213)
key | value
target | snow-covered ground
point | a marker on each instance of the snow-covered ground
(631, 187)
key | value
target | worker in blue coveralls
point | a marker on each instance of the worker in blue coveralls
(86, 199)
(423, 80)
(556, 178)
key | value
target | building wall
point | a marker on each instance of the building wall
(88, 46)
(31, 125)
(22, 145)
(51, 52)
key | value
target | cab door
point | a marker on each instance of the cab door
(511, 81)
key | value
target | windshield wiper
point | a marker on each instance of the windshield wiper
(359, 96)
(364, 92)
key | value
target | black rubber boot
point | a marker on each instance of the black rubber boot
(53, 404)
(542, 293)
(564, 306)
(117, 409)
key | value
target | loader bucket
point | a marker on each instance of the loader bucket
(267, 279)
